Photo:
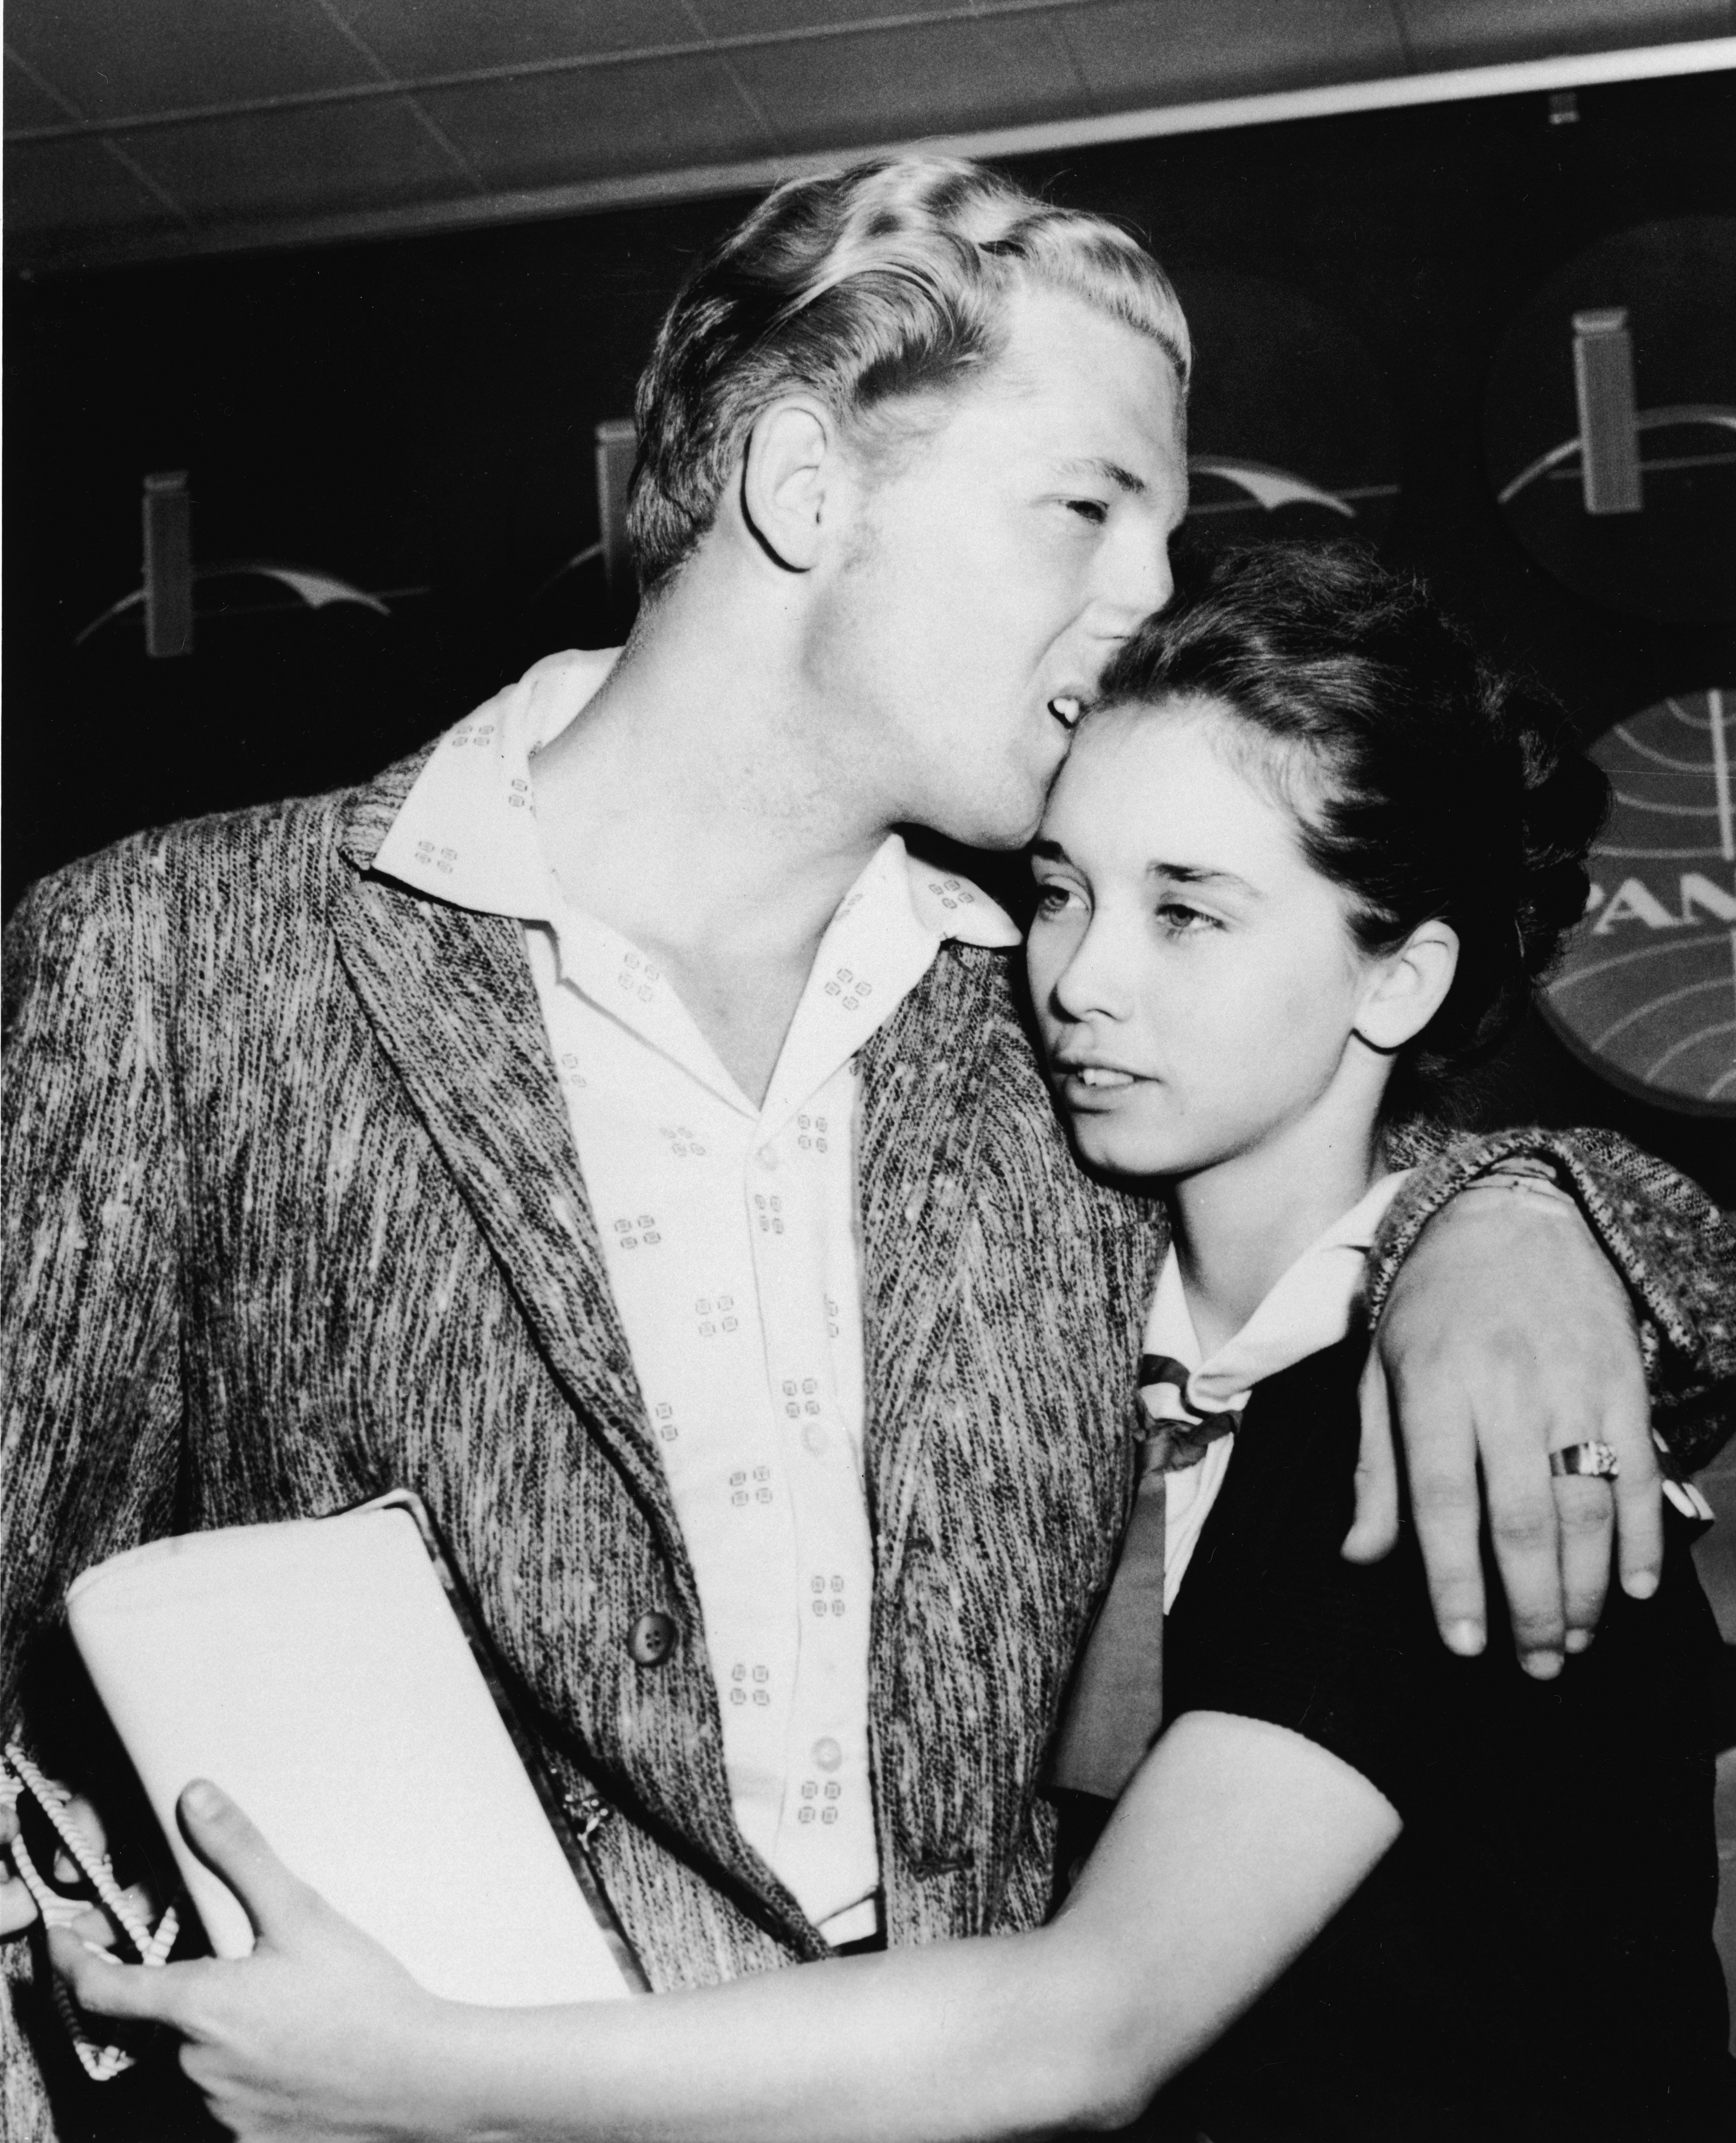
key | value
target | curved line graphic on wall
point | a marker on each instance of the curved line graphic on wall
(1713, 413)
(1272, 488)
(315, 589)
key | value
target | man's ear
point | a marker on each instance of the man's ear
(1405, 988)
(790, 461)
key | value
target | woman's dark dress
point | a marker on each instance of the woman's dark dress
(1534, 1957)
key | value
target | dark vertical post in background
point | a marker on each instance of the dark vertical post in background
(1603, 377)
(617, 442)
(168, 564)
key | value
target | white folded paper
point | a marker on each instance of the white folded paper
(316, 1671)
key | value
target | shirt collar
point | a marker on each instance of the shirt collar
(1307, 1309)
(467, 830)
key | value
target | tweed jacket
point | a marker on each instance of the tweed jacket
(296, 1216)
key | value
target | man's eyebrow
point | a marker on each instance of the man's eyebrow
(1123, 479)
(1200, 874)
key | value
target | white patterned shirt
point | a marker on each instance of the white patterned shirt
(730, 1240)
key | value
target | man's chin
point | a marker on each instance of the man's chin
(1005, 829)
(1005, 816)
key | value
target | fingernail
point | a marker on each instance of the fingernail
(1466, 1638)
(1578, 1639)
(1641, 1584)
(202, 1798)
(1541, 1666)
(96, 1949)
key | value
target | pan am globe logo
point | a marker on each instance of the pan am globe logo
(1647, 993)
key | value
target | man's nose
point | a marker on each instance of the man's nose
(1136, 580)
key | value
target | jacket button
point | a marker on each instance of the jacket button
(652, 1639)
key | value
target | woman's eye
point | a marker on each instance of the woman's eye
(1181, 921)
(1089, 509)
(1051, 897)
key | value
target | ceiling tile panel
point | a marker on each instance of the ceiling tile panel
(1445, 33)
(332, 158)
(26, 105)
(119, 58)
(1165, 51)
(938, 78)
(741, 18)
(76, 185)
(807, 75)
(537, 129)
(418, 37)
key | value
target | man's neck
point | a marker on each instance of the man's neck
(698, 805)
(1240, 1225)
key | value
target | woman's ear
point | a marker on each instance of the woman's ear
(1405, 989)
(791, 458)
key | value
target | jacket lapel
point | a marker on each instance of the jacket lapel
(953, 1065)
(450, 996)
(923, 1080)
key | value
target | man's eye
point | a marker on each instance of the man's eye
(1089, 509)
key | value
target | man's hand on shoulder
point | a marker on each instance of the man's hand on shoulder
(1506, 1336)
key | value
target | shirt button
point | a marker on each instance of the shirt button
(814, 1436)
(767, 1157)
(652, 1639)
(827, 1754)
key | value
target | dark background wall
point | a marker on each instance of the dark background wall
(417, 415)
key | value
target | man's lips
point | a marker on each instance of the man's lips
(1068, 708)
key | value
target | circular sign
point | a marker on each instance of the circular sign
(1290, 430)
(1647, 993)
(1610, 426)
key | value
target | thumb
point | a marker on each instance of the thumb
(1374, 1531)
(228, 1842)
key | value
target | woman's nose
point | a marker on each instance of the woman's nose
(1090, 986)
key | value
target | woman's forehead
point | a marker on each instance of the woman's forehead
(1176, 773)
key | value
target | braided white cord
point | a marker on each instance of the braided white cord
(18, 1773)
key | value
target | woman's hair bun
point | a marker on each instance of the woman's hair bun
(1563, 802)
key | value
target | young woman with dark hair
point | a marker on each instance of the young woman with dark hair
(1305, 860)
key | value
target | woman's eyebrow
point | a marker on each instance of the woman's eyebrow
(1049, 852)
(1202, 875)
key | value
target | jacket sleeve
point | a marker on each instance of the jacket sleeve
(89, 1288)
(1665, 1237)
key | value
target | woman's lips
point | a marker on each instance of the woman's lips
(1068, 708)
(1093, 1086)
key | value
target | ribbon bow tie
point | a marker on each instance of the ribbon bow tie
(1178, 1433)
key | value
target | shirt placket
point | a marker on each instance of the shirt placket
(802, 1212)
(825, 1839)
(693, 1314)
